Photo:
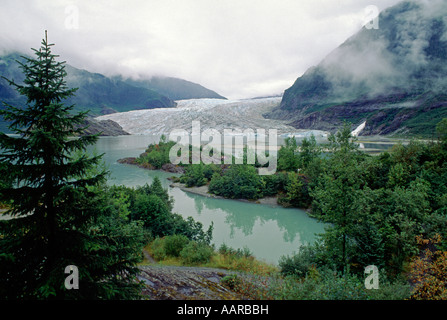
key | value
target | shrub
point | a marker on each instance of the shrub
(210, 169)
(194, 176)
(239, 253)
(298, 264)
(296, 192)
(238, 182)
(328, 285)
(174, 244)
(195, 252)
(274, 183)
(158, 249)
(154, 212)
(428, 271)
(231, 281)
(155, 159)
(337, 286)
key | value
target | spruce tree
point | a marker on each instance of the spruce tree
(59, 215)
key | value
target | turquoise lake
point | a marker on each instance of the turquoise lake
(268, 231)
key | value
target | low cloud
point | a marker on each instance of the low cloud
(377, 60)
(239, 48)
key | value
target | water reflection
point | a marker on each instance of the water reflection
(269, 232)
(243, 216)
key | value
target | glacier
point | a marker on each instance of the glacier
(216, 114)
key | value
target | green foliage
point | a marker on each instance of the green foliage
(179, 246)
(336, 191)
(156, 155)
(296, 191)
(158, 250)
(423, 122)
(441, 130)
(174, 244)
(342, 142)
(241, 181)
(195, 175)
(210, 169)
(238, 182)
(157, 189)
(120, 201)
(309, 152)
(398, 289)
(287, 155)
(238, 253)
(5, 182)
(324, 284)
(334, 286)
(231, 281)
(376, 206)
(274, 183)
(155, 158)
(194, 230)
(152, 206)
(196, 252)
(299, 264)
(307, 277)
(154, 213)
(62, 215)
(168, 246)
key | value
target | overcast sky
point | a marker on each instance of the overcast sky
(238, 48)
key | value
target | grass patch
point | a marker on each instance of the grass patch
(175, 250)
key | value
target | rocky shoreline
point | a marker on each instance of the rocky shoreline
(167, 167)
(203, 191)
(103, 128)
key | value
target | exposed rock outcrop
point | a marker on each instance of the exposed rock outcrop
(104, 128)
(185, 283)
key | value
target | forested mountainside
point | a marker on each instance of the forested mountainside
(392, 77)
(104, 95)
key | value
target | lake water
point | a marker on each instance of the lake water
(269, 232)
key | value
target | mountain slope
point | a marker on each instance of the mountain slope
(105, 95)
(176, 89)
(100, 93)
(392, 77)
(96, 93)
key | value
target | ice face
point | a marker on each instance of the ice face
(212, 113)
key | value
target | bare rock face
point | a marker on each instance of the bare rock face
(169, 167)
(104, 128)
(184, 283)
